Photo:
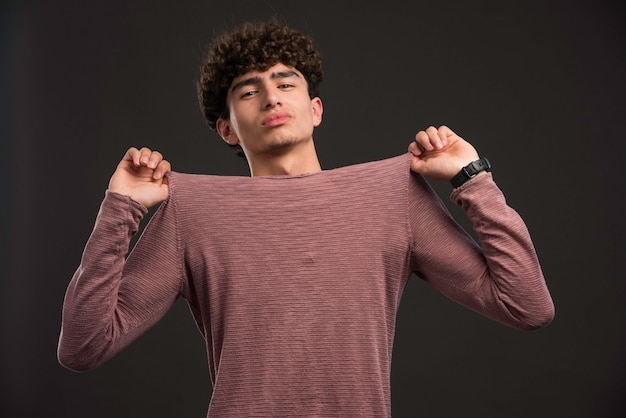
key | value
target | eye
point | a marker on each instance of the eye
(285, 86)
(248, 93)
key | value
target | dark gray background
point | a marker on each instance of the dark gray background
(537, 86)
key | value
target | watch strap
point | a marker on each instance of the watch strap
(470, 171)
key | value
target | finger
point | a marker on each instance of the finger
(144, 156)
(163, 167)
(433, 137)
(132, 154)
(416, 148)
(155, 158)
(444, 134)
(423, 141)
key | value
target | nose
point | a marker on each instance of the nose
(272, 102)
(272, 98)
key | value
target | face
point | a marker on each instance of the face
(270, 111)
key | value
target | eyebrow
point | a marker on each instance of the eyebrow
(257, 79)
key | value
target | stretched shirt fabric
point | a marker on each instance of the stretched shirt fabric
(295, 281)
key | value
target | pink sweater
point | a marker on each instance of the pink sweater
(295, 281)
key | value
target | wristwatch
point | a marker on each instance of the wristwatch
(470, 171)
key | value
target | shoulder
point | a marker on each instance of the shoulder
(400, 162)
(391, 169)
(182, 184)
(193, 193)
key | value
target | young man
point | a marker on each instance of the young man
(293, 275)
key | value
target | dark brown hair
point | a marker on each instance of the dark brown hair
(253, 47)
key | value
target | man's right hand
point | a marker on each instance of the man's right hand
(141, 176)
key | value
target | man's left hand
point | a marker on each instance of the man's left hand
(440, 154)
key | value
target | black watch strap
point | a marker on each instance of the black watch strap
(470, 171)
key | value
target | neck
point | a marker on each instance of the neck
(290, 162)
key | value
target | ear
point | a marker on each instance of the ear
(318, 109)
(226, 132)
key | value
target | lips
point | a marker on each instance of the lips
(276, 119)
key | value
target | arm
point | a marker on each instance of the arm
(111, 300)
(501, 276)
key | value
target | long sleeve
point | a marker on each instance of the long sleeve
(499, 277)
(295, 281)
(112, 298)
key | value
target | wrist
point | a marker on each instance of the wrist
(470, 171)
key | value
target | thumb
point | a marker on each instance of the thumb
(418, 165)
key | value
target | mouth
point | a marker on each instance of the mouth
(275, 119)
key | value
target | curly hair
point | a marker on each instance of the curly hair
(253, 47)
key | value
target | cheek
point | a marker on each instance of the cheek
(237, 122)
(242, 116)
